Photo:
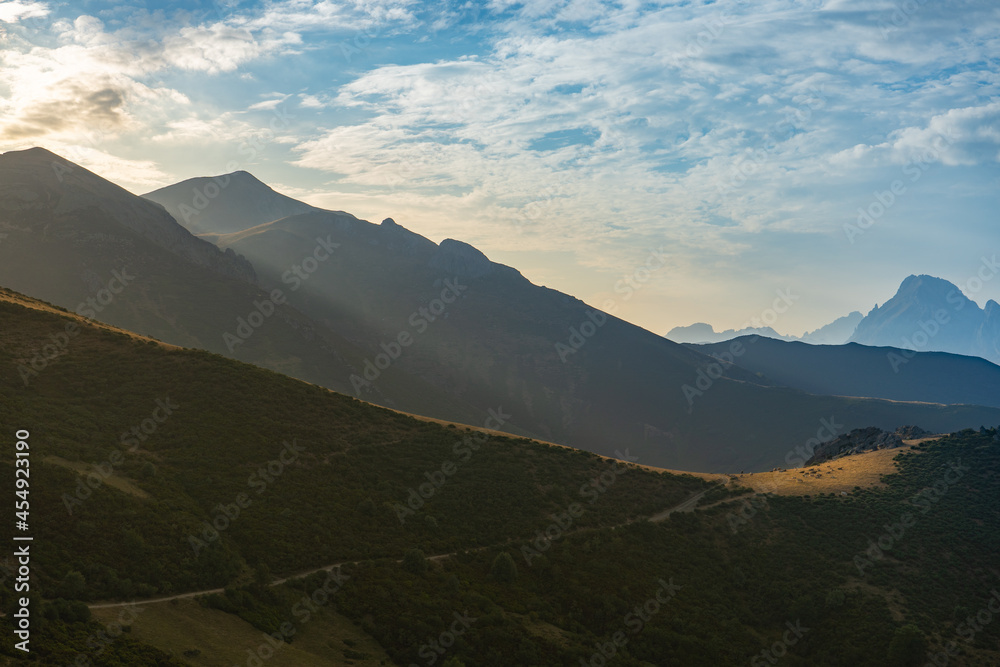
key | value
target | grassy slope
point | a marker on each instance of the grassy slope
(335, 502)
(788, 559)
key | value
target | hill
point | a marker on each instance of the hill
(861, 370)
(237, 477)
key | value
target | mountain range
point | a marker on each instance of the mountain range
(383, 314)
(931, 314)
(836, 332)
(926, 314)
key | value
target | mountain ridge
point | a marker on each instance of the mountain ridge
(933, 314)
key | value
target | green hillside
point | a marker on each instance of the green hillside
(789, 576)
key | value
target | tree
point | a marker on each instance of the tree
(908, 647)
(73, 585)
(504, 568)
(262, 574)
(414, 561)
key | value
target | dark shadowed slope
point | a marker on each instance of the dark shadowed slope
(564, 371)
(879, 372)
(77, 240)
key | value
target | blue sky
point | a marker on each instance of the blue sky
(757, 144)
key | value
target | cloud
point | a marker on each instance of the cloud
(967, 136)
(328, 16)
(221, 48)
(69, 105)
(15, 10)
(959, 137)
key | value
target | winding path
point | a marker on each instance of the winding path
(688, 505)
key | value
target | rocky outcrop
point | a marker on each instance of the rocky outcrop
(857, 441)
(461, 259)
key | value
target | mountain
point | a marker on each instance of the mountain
(389, 316)
(482, 334)
(931, 314)
(81, 242)
(248, 203)
(701, 332)
(877, 372)
(834, 333)
(238, 516)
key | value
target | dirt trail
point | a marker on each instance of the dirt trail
(840, 475)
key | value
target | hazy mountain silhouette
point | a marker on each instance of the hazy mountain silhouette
(834, 333)
(565, 371)
(878, 372)
(81, 242)
(932, 314)
(248, 202)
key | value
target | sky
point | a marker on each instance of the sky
(680, 161)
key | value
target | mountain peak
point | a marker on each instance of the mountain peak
(35, 152)
(37, 186)
(928, 314)
(226, 204)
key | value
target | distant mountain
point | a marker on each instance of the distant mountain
(835, 333)
(876, 372)
(931, 314)
(565, 371)
(248, 203)
(701, 332)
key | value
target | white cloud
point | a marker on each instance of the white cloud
(221, 48)
(967, 136)
(15, 10)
